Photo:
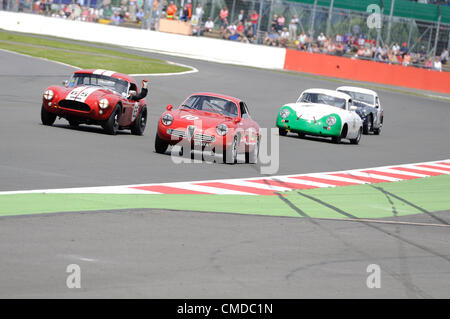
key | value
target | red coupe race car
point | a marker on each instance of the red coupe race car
(97, 97)
(217, 122)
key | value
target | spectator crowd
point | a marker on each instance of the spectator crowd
(244, 28)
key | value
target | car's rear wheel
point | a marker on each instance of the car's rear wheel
(301, 134)
(252, 156)
(377, 131)
(47, 118)
(140, 122)
(111, 125)
(230, 153)
(160, 145)
(358, 137)
(282, 131)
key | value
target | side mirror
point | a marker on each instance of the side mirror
(237, 120)
(65, 83)
(353, 108)
(169, 107)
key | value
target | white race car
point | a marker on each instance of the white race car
(321, 112)
(368, 107)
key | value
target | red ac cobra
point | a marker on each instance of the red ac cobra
(96, 97)
(217, 122)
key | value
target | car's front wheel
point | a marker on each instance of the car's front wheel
(47, 118)
(111, 125)
(160, 145)
(140, 122)
(252, 156)
(230, 153)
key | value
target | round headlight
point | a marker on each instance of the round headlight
(48, 95)
(103, 103)
(167, 119)
(222, 129)
(284, 113)
(331, 120)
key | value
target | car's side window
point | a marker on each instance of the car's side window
(244, 110)
(377, 102)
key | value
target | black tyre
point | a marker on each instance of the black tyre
(377, 131)
(357, 139)
(140, 122)
(368, 127)
(301, 134)
(161, 145)
(282, 131)
(230, 153)
(336, 139)
(73, 123)
(47, 118)
(252, 156)
(111, 125)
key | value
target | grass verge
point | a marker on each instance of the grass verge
(85, 56)
(382, 200)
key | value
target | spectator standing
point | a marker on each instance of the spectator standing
(293, 28)
(241, 16)
(223, 17)
(254, 19)
(280, 22)
(199, 12)
(404, 50)
(321, 40)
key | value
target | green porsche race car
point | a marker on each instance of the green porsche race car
(321, 112)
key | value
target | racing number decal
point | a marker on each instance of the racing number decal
(135, 111)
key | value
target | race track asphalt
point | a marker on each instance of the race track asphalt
(151, 253)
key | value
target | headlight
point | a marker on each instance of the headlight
(167, 119)
(48, 95)
(331, 120)
(103, 103)
(284, 113)
(222, 129)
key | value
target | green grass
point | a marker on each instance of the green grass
(360, 201)
(85, 56)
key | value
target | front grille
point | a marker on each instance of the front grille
(204, 138)
(197, 136)
(74, 105)
(177, 133)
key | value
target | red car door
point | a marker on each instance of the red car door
(247, 125)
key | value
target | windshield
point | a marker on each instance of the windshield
(118, 85)
(322, 98)
(360, 97)
(211, 104)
